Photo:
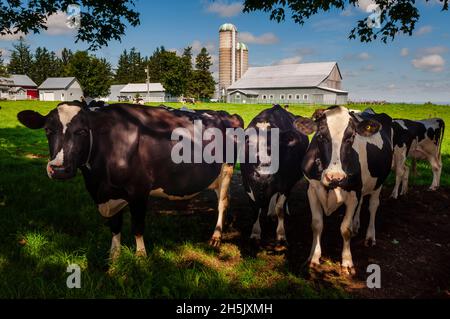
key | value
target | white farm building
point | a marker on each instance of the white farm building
(60, 89)
(319, 83)
(155, 91)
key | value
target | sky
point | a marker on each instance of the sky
(410, 69)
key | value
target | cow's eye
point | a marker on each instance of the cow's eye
(49, 131)
(81, 132)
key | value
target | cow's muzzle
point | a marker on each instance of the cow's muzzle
(61, 172)
(333, 179)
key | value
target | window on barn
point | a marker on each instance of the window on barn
(282, 97)
(297, 97)
(238, 96)
(305, 96)
(271, 97)
(290, 97)
(264, 97)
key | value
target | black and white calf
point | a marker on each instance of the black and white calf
(269, 193)
(348, 158)
(420, 140)
(124, 154)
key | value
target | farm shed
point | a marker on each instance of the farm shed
(114, 92)
(18, 87)
(319, 83)
(157, 93)
(60, 89)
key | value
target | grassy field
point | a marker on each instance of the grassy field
(47, 225)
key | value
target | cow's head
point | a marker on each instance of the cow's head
(336, 129)
(68, 135)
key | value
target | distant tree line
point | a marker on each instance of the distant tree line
(178, 74)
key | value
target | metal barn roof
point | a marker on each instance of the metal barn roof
(22, 80)
(142, 88)
(57, 83)
(285, 76)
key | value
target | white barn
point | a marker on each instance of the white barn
(60, 89)
(156, 92)
(312, 83)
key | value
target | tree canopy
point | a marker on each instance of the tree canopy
(100, 21)
(394, 17)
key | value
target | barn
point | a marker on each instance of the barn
(60, 89)
(312, 83)
(155, 91)
(18, 87)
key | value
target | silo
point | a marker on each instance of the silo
(227, 56)
(244, 58)
(239, 56)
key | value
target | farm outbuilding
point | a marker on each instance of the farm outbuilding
(114, 92)
(316, 83)
(18, 87)
(155, 91)
(60, 89)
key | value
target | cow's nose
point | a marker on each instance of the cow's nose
(334, 176)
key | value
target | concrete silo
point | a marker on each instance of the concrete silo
(227, 56)
(241, 60)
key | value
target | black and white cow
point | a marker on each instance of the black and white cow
(349, 157)
(124, 154)
(420, 140)
(269, 193)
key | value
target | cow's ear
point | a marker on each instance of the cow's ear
(368, 127)
(305, 125)
(318, 114)
(31, 119)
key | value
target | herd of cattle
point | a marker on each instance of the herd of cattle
(124, 154)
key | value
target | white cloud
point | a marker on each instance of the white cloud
(225, 9)
(12, 37)
(366, 5)
(433, 63)
(368, 67)
(424, 30)
(57, 24)
(363, 56)
(291, 60)
(197, 45)
(347, 12)
(404, 52)
(265, 39)
(392, 86)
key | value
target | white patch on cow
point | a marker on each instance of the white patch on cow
(375, 139)
(401, 123)
(251, 195)
(263, 125)
(337, 121)
(112, 207)
(272, 205)
(159, 192)
(66, 113)
(360, 146)
(57, 161)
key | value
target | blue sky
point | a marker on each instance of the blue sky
(409, 69)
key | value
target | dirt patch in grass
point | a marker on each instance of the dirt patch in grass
(413, 242)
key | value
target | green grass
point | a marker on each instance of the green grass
(47, 225)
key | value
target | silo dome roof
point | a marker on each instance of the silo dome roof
(242, 46)
(227, 27)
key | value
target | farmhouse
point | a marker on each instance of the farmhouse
(319, 83)
(18, 87)
(60, 89)
(156, 92)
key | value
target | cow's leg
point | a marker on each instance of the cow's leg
(351, 204)
(222, 189)
(137, 209)
(436, 166)
(399, 167)
(405, 180)
(356, 218)
(256, 230)
(279, 210)
(374, 202)
(115, 225)
(316, 225)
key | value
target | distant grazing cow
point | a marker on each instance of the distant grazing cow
(269, 193)
(350, 156)
(419, 140)
(124, 154)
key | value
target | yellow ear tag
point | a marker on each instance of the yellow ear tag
(368, 127)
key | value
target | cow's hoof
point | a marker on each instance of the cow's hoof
(313, 264)
(141, 253)
(348, 270)
(114, 255)
(281, 246)
(433, 188)
(394, 196)
(255, 242)
(370, 242)
(355, 229)
(215, 242)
